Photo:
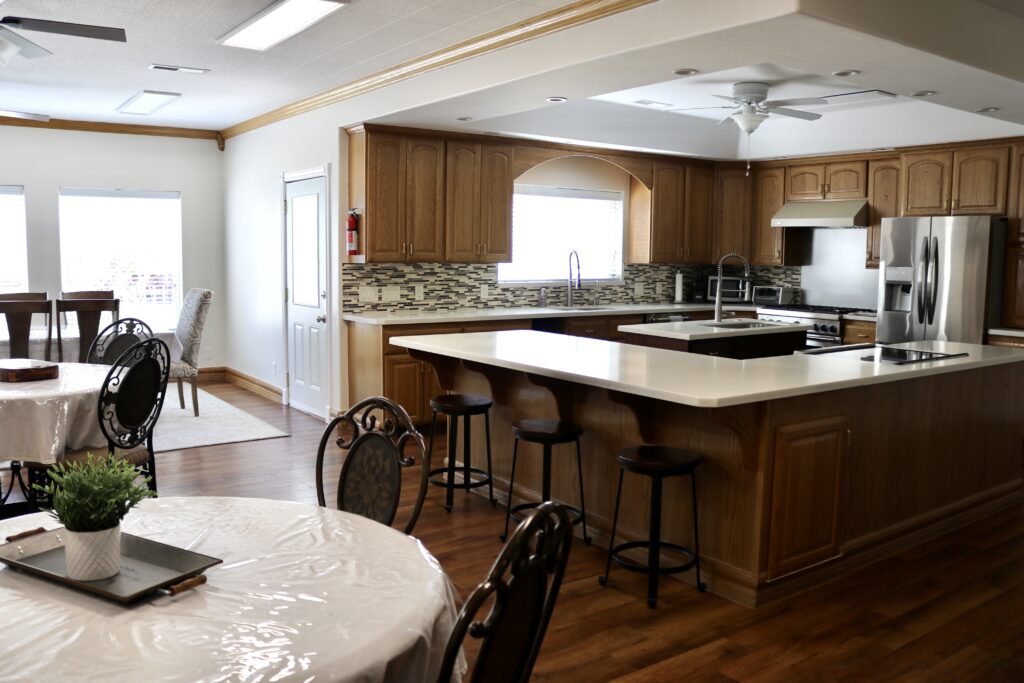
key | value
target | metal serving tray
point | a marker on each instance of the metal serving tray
(146, 566)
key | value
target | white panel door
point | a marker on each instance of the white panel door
(306, 263)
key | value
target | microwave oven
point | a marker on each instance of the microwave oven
(774, 295)
(734, 289)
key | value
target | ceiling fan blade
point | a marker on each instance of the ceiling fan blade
(26, 48)
(67, 29)
(727, 118)
(795, 113)
(719, 106)
(24, 115)
(798, 102)
(723, 97)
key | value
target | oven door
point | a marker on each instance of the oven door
(819, 341)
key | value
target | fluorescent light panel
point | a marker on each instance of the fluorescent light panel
(280, 21)
(178, 69)
(147, 101)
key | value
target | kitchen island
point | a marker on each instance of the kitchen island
(728, 338)
(813, 465)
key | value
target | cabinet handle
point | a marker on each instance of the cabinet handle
(821, 189)
(410, 249)
(778, 253)
(956, 204)
(947, 205)
(403, 247)
(862, 336)
(484, 250)
(849, 437)
(828, 187)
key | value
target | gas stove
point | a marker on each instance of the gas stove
(826, 321)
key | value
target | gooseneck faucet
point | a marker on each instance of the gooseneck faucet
(718, 288)
(579, 282)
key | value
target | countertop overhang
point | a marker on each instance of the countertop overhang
(474, 314)
(687, 378)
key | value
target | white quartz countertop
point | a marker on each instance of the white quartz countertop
(1006, 332)
(704, 329)
(474, 314)
(688, 378)
(862, 318)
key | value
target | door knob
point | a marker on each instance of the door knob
(321, 318)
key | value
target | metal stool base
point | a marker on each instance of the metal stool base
(575, 512)
(472, 484)
(635, 566)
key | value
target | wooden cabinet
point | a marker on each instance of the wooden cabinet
(699, 211)
(858, 332)
(775, 246)
(1015, 203)
(964, 181)
(672, 222)
(667, 204)
(597, 327)
(1013, 287)
(732, 212)
(399, 182)
(807, 485)
(840, 180)
(478, 196)
(883, 202)
(403, 384)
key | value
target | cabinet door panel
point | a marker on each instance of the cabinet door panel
(806, 494)
(848, 180)
(883, 202)
(768, 199)
(385, 198)
(462, 201)
(1013, 288)
(979, 181)
(805, 182)
(732, 212)
(1015, 205)
(926, 183)
(424, 206)
(403, 384)
(700, 197)
(496, 202)
(667, 212)
(594, 327)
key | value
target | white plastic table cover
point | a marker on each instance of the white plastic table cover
(39, 420)
(70, 340)
(304, 594)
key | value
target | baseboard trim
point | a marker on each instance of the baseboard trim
(256, 386)
(212, 375)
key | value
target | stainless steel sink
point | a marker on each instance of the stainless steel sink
(739, 324)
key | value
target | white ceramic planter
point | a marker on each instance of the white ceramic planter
(92, 555)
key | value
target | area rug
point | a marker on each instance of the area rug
(218, 422)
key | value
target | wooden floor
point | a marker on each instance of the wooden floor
(948, 610)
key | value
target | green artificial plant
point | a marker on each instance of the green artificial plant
(93, 495)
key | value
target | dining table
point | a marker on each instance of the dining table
(304, 593)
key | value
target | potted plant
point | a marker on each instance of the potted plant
(90, 499)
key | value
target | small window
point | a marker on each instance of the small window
(14, 250)
(127, 241)
(550, 222)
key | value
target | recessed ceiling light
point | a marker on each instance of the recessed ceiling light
(178, 69)
(147, 101)
(986, 110)
(843, 73)
(685, 72)
(465, 118)
(922, 93)
(558, 99)
(276, 23)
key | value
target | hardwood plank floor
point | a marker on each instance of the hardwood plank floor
(951, 609)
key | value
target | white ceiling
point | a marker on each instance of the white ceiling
(87, 79)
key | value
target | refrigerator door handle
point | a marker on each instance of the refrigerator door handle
(921, 277)
(933, 280)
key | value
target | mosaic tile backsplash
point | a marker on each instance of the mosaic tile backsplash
(449, 286)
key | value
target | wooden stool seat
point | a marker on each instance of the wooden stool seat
(538, 430)
(663, 461)
(461, 404)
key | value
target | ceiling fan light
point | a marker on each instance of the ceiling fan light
(7, 51)
(748, 121)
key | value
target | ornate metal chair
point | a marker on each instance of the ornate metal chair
(374, 433)
(524, 582)
(189, 333)
(117, 338)
(18, 310)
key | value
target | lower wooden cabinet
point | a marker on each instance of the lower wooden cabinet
(807, 485)
(858, 332)
(404, 384)
(1013, 288)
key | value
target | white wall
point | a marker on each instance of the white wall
(44, 160)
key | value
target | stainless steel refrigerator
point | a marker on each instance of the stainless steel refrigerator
(940, 278)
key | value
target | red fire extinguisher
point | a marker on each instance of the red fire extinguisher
(352, 233)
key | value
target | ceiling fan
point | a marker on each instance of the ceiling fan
(18, 44)
(754, 106)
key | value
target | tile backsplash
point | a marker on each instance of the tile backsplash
(449, 286)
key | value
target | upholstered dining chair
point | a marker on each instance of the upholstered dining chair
(189, 333)
(524, 582)
(88, 306)
(115, 339)
(375, 435)
(18, 309)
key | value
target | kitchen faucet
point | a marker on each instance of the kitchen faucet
(718, 287)
(579, 283)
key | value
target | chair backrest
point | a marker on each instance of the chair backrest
(374, 434)
(191, 322)
(524, 581)
(133, 393)
(89, 294)
(116, 338)
(18, 310)
(88, 312)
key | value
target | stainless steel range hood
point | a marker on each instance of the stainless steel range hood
(847, 213)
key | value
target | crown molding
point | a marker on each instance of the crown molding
(120, 128)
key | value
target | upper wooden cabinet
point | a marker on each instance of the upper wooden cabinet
(667, 204)
(964, 181)
(699, 209)
(398, 182)
(732, 212)
(883, 202)
(478, 195)
(840, 180)
(1015, 203)
(768, 199)
(672, 222)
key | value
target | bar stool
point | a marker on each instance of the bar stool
(656, 462)
(547, 433)
(464, 406)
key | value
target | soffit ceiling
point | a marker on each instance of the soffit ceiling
(88, 79)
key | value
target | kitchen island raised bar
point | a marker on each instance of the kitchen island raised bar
(813, 465)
